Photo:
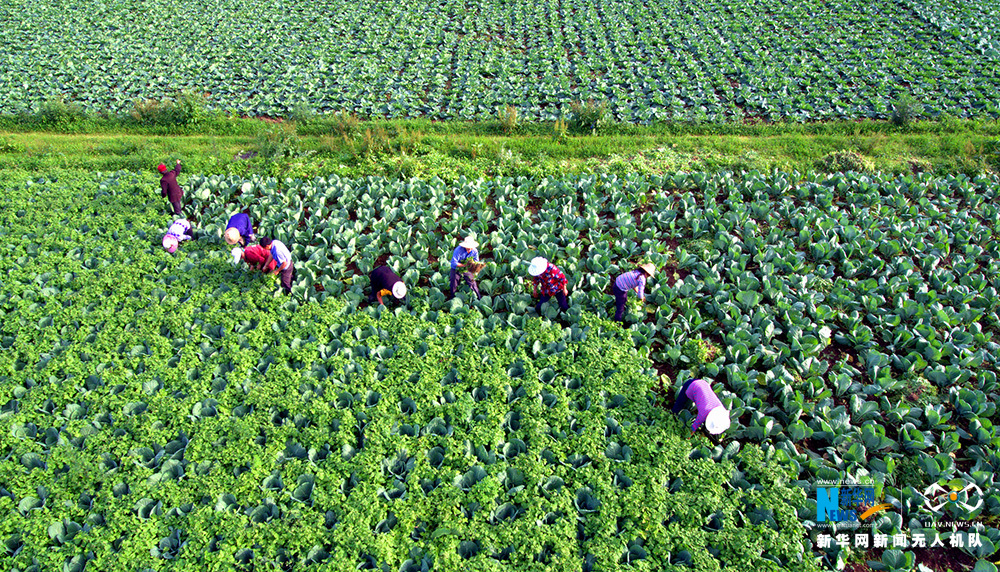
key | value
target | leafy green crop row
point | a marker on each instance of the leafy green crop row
(831, 302)
(977, 22)
(655, 60)
(159, 418)
(849, 321)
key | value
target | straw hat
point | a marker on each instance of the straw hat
(469, 243)
(648, 268)
(717, 420)
(399, 290)
(232, 236)
(237, 255)
(537, 266)
(170, 244)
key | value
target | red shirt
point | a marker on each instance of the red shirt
(552, 281)
(256, 254)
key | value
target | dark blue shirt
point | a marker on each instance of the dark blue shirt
(460, 254)
(241, 222)
(383, 278)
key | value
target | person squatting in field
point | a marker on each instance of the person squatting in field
(711, 412)
(179, 230)
(256, 256)
(465, 250)
(385, 281)
(283, 262)
(169, 187)
(627, 281)
(239, 230)
(550, 280)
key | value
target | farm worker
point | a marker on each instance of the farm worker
(465, 250)
(550, 280)
(256, 256)
(627, 281)
(711, 412)
(169, 187)
(283, 262)
(385, 281)
(179, 230)
(239, 230)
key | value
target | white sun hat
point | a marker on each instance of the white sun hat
(232, 235)
(237, 255)
(717, 420)
(469, 243)
(169, 243)
(399, 290)
(537, 266)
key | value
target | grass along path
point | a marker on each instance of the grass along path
(449, 150)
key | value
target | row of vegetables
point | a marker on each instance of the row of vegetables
(848, 321)
(160, 417)
(975, 22)
(658, 60)
(848, 297)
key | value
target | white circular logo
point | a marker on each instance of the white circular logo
(936, 497)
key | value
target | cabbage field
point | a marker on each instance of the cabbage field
(175, 413)
(715, 60)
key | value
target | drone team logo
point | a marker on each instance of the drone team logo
(969, 497)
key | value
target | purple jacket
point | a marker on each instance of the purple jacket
(241, 222)
(383, 278)
(701, 393)
(169, 187)
(631, 280)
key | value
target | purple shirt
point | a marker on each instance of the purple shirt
(701, 393)
(241, 222)
(383, 278)
(630, 280)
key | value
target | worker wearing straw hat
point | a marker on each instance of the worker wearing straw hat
(239, 230)
(466, 249)
(169, 188)
(385, 281)
(550, 280)
(179, 230)
(711, 412)
(629, 281)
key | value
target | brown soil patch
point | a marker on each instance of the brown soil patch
(669, 271)
(938, 559)
(664, 394)
(267, 119)
(834, 353)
